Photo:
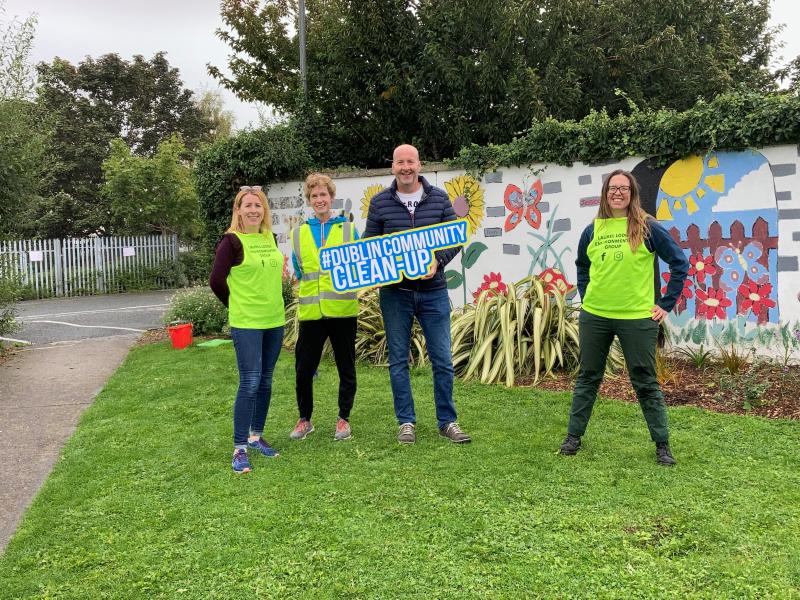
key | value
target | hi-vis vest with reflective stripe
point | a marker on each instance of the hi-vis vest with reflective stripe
(318, 298)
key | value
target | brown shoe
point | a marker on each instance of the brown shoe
(453, 433)
(407, 433)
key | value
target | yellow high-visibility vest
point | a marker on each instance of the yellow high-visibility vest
(318, 298)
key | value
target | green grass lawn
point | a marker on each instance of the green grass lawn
(144, 503)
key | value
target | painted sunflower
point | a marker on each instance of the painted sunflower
(466, 194)
(367, 198)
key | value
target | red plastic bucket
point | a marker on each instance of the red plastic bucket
(181, 335)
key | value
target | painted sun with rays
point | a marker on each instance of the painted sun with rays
(685, 183)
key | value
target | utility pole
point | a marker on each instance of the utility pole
(302, 28)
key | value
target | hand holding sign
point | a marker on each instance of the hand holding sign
(432, 271)
(388, 258)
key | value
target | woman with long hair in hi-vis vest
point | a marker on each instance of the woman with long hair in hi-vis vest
(246, 277)
(617, 279)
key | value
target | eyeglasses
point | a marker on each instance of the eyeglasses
(250, 188)
(613, 189)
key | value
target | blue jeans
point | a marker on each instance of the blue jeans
(257, 352)
(432, 310)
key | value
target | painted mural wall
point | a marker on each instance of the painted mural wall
(735, 214)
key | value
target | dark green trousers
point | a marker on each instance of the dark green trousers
(638, 340)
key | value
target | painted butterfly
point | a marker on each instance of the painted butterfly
(523, 205)
(737, 264)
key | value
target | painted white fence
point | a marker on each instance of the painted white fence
(80, 266)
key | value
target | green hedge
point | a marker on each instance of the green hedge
(733, 121)
(259, 157)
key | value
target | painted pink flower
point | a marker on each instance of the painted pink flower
(699, 267)
(492, 282)
(712, 303)
(755, 297)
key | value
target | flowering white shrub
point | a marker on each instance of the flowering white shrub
(200, 307)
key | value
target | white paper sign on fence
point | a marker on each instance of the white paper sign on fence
(128, 251)
(35, 256)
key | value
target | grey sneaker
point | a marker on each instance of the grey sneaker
(301, 430)
(570, 445)
(407, 433)
(663, 455)
(343, 431)
(453, 433)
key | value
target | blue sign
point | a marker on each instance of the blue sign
(388, 258)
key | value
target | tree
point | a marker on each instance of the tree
(150, 194)
(143, 102)
(212, 107)
(447, 74)
(16, 41)
(23, 138)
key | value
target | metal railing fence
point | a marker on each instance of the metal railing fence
(98, 265)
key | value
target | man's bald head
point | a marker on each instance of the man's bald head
(406, 168)
(405, 150)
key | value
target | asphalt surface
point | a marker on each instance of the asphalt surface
(70, 347)
(70, 319)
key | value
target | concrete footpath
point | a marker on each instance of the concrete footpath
(43, 392)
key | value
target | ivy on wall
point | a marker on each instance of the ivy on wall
(732, 121)
(259, 157)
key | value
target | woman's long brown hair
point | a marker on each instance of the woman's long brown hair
(638, 219)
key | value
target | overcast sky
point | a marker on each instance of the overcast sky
(74, 29)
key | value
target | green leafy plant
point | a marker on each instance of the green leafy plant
(10, 294)
(371, 346)
(142, 277)
(196, 265)
(199, 307)
(698, 357)
(735, 120)
(291, 330)
(666, 372)
(526, 332)
(745, 388)
(734, 358)
(371, 343)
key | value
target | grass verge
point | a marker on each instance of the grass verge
(144, 504)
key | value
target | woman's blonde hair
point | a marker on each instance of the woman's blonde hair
(638, 219)
(317, 179)
(236, 220)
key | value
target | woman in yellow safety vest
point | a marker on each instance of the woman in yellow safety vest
(323, 313)
(246, 277)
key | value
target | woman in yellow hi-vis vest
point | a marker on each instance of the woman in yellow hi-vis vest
(323, 313)
(246, 277)
(616, 280)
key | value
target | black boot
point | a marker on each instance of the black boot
(571, 445)
(663, 454)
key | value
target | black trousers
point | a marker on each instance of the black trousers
(308, 352)
(638, 340)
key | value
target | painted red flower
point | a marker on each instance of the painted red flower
(492, 282)
(699, 267)
(712, 303)
(755, 297)
(554, 281)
